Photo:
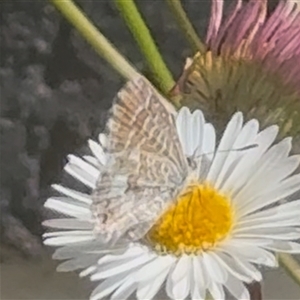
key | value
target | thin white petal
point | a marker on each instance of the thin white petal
(88, 168)
(217, 272)
(80, 175)
(266, 178)
(184, 130)
(69, 224)
(241, 265)
(102, 140)
(130, 253)
(246, 137)
(64, 240)
(108, 286)
(125, 290)
(283, 233)
(237, 288)
(251, 253)
(209, 141)
(94, 247)
(283, 246)
(293, 220)
(79, 262)
(159, 264)
(282, 190)
(198, 131)
(68, 233)
(150, 283)
(198, 288)
(216, 290)
(81, 197)
(97, 151)
(88, 271)
(231, 132)
(181, 278)
(247, 165)
(67, 207)
(122, 266)
(228, 264)
(275, 214)
(93, 161)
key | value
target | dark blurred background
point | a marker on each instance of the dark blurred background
(55, 92)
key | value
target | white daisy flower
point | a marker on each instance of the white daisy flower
(211, 239)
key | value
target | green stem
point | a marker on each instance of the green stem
(162, 76)
(186, 26)
(95, 38)
(291, 266)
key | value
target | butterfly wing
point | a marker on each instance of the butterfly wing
(146, 165)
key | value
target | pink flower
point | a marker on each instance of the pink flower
(252, 64)
(250, 32)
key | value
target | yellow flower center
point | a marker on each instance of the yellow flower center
(200, 218)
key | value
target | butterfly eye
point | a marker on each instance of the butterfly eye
(191, 163)
(102, 218)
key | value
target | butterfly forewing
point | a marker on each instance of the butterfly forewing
(146, 165)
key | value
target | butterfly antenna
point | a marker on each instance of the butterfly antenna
(248, 147)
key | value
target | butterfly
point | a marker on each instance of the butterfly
(146, 167)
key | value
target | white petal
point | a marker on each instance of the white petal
(241, 265)
(88, 271)
(81, 197)
(125, 290)
(97, 151)
(283, 246)
(94, 247)
(197, 127)
(68, 233)
(232, 267)
(184, 130)
(69, 224)
(293, 220)
(93, 161)
(108, 286)
(265, 167)
(283, 233)
(198, 263)
(75, 161)
(159, 264)
(64, 240)
(247, 165)
(217, 272)
(246, 137)
(282, 190)
(79, 262)
(251, 253)
(216, 290)
(152, 276)
(198, 288)
(231, 132)
(181, 278)
(131, 252)
(102, 140)
(276, 214)
(266, 178)
(69, 207)
(119, 267)
(237, 288)
(209, 141)
(81, 175)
